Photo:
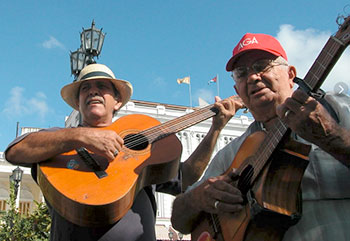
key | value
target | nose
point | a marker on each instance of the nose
(253, 76)
(93, 91)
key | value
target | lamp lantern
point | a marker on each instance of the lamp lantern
(78, 61)
(17, 174)
(92, 41)
(16, 178)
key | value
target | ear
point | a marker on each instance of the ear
(292, 73)
(117, 105)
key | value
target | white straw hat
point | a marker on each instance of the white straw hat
(95, 71)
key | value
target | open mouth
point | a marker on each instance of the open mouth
(94, 101)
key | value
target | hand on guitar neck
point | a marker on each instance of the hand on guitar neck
(194, 166)
(308, 118)
(227, 109)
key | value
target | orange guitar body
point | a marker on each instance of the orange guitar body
(76, 192)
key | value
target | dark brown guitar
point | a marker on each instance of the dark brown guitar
(271, 167)
(89, 191)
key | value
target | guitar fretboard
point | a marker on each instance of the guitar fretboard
(170, 127)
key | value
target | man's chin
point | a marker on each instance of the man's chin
(95, 112)
(262, 102)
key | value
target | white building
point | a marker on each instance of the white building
(189, 137)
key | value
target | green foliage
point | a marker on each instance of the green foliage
(14, 226)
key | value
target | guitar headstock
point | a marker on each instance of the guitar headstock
(343, 34)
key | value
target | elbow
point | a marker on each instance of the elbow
(179, 226)
(10, 156)
(180, 218)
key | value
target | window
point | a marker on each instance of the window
(24, 208)
(2, 205)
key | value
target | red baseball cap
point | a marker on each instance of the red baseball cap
(256, 41)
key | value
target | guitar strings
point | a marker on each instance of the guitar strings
(272, 138)
(154, 132)
(162, 130)
(181, 123)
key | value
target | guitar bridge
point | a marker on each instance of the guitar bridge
(91, 162)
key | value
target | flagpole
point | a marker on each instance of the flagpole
(189, 87)
(217, 84)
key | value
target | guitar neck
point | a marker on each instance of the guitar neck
(173, 126)
(324, 63)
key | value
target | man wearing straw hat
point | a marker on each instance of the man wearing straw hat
(97, 95)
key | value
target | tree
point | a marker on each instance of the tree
(14, 226)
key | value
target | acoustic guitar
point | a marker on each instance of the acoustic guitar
(270, 167)
(88, 190)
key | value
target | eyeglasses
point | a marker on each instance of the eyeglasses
(260, 66)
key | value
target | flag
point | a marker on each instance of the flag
(213, 80)
(185, 80)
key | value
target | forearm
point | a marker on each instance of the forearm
(195, 165)
(40, 146)
(337, 143)
(185, 213)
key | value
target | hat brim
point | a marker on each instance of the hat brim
(69, 92)
(230, 64)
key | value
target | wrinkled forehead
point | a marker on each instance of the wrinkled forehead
(96, 82)
(249, 57)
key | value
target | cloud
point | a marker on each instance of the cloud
(18, 105)
(52, 43)
(303, 47)
(159, 81)
(205, 94)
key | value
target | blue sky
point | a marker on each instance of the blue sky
(149, 43)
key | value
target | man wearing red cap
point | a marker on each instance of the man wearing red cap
(264, 81)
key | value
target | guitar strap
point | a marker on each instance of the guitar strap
(318, 95)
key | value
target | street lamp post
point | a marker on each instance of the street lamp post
(91, 45)
(16, 178)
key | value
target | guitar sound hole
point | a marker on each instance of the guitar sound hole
(136, 142)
